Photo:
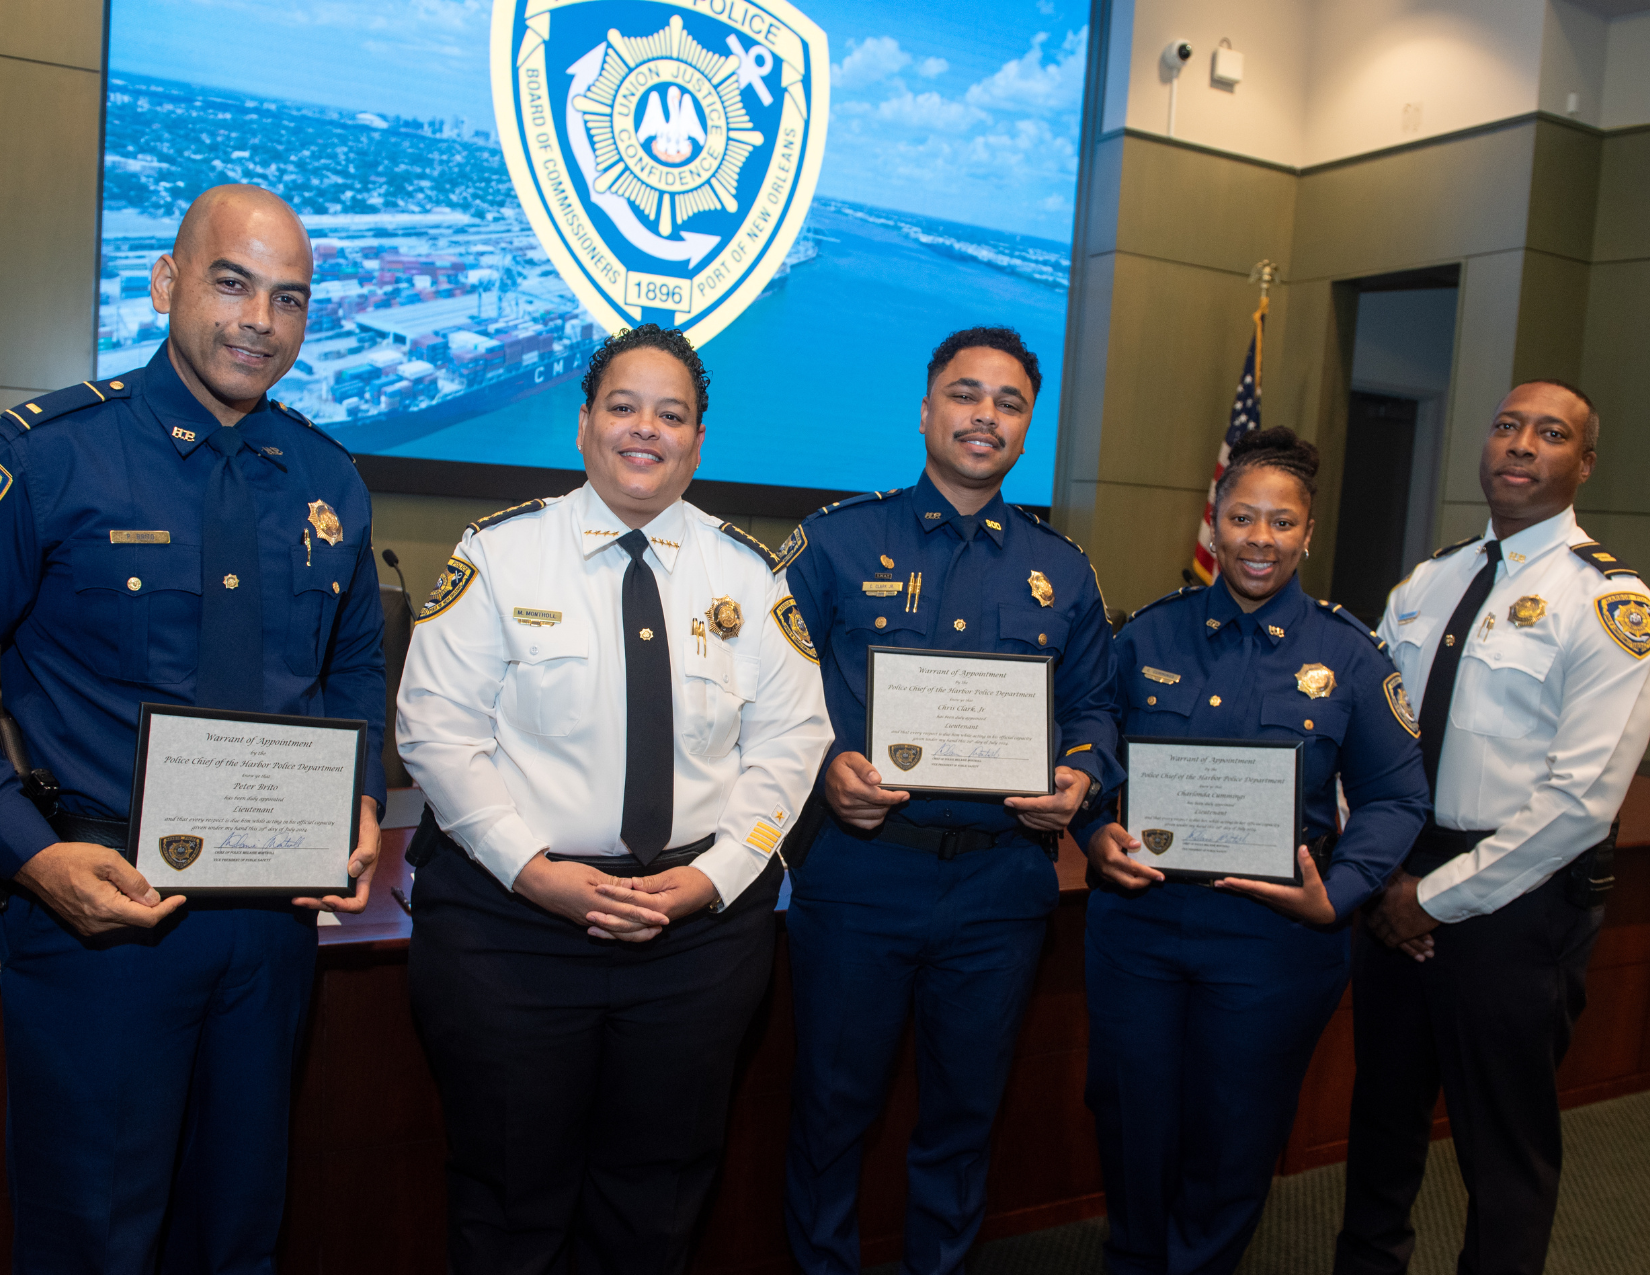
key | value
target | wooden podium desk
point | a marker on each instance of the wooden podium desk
(366, 1193)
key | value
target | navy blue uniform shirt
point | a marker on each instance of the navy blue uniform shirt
(975, 596)
(89, 628)
(1194, 665)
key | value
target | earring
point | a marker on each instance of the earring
(1306, 554)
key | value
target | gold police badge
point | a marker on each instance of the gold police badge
(905, 756)
(789, 620)
(324, 518)
(1315, 681)
(1157, 840)
(1041, 589)
(181, 849)
(1626, 618)
(1398, 702)
(1527, 610)
(725, 618)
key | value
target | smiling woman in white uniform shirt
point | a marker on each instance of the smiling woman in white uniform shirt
(615, 715)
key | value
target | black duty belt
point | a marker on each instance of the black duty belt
(430, 841)
(98, 832)
(943, 843)
(1588, 878)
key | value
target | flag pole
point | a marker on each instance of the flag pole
(1265, 273)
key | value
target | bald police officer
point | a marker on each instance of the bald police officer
(149, 1043)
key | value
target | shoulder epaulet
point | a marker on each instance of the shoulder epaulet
(293, 414)
(1459, 544)
(1598, 557)
(504, 515)
(1185, 591)
(797, 541)
(752, 543)
(1052, 530)
(848, 502)
(48, 407)
(1340, 612)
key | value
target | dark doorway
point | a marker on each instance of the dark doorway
(1369, 549)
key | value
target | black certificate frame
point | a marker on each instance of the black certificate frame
(1188, 874)
(147, 712)
(963, 794)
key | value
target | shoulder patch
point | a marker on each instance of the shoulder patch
(1185, 591)
(1626, 618)
(1595, 555)
(455, 577)
(504, 515)
(1339, 612)
(752, 543)
(791, 550)
(48, 407)
(789, 620)
(1054, 531)
(1459, 544)
(1398, 702)
(5, 481)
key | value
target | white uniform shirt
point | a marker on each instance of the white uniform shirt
(1549, 719)
(511, 714)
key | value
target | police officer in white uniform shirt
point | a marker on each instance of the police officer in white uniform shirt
(615, 714)
(1530, 642)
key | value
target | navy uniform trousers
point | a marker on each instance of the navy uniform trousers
(1204, 1010)
(192, 1026)
(879, 933)
(585, 1081)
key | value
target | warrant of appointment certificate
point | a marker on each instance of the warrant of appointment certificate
(960, 722)
(1204, 809)
(245, 803)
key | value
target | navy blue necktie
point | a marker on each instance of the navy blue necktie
(231, 668)
(650, 718)
(1446, 663)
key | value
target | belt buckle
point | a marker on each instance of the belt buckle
(950, 839)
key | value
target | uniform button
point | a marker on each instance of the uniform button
(133, 583)
(1151, 699)
(532, 650)
(1042, 639)
(882, 622)
(335, 586)
(1214, 701)
(1308, 723)
(959, 625)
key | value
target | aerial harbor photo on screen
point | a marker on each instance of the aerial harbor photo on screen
(441, 326)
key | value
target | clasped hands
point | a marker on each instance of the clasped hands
(631, 910)
(853, 789)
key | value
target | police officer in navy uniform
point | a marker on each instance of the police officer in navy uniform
(174, 536)
(1205, 1004)
(930, 906)
(1532, 644)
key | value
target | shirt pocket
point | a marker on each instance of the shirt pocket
(884, 618)
(1161, 708)
(1406, 649)
(716, 687)
(1499, 685)
(138, 609)
(1039, 630)
(1315, 720)
(548, 687)
(320, 574)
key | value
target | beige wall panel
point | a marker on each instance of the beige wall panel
(1457, 521)
(1485, 338)
(422, 530)
(1615, 371)
(1552, 318)
(1626, 535)
(67, 32)
(1434, 203)
(1178, 336)
(1623, 229)
(1140, 540)
(1206, 210)
(48, 222)
(1078, 444)
(1563, 190)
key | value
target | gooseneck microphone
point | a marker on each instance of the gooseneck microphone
(394, 564)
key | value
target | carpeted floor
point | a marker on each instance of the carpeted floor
(1603, 1225)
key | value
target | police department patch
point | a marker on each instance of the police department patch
(449, 587)
(794, 544)
(790, 623)
(5, 483)
(180, 850)
(665, 151)
(1626, 618)
(1398, 701)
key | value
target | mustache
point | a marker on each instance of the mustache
(990, 435)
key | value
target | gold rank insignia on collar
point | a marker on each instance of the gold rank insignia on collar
(1213, 624)
(324, 518)
(186, 435)
(993, 524)
(934, 515)
(1315, 681)
(535, 618)
(1158, 675)
(1041, 589)
(724, 617)
(1274, 630)
(1527, 610)
(1626, 618)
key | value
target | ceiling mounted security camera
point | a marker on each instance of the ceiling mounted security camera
(1176, 54)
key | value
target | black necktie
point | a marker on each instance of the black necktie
(1447, 662)
(650, 721)
(231, 668)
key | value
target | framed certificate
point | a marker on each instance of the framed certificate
(245, 803)
(964, 723)
(1209, 808)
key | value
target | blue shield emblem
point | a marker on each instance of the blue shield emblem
(665, 151)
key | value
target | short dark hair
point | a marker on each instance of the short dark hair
(648, 336)
(1589, 433)
(1277, 448)
(1005, 339)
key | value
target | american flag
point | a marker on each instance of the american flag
(1245, 417)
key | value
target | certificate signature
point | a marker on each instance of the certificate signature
(978, 750)
(248, 841)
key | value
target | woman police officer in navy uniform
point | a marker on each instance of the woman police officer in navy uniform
(1205, 1004)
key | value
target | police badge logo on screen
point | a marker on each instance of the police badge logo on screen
(665, 151)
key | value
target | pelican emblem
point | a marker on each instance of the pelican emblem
(672, 136)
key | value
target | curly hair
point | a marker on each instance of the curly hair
(1005, 339)
(648, 336)
(1277, 448)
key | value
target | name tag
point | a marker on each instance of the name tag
(1158, 675)
(140, 537)
(882, 588)
(1408, 617)
(537, 619)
